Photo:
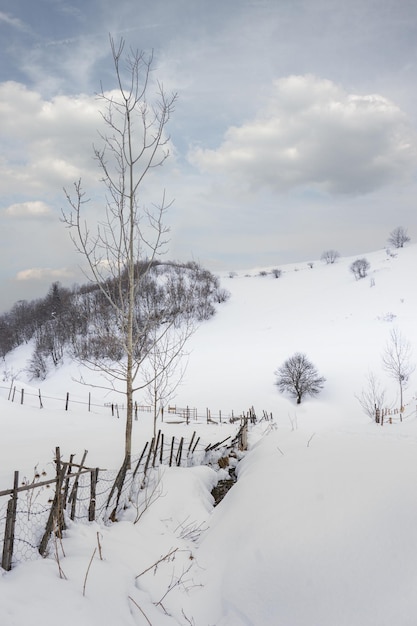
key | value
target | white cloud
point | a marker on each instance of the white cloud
(43, 273)
(45, 144)
(12, 21)
(35, 208)
(312, 133)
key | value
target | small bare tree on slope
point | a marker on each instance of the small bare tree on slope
(372, 397)
(123, 247)
(396, 361)
(398, 237)
(299, 377)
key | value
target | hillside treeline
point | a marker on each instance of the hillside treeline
(79, 321)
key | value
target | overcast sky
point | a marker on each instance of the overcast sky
(294, 130)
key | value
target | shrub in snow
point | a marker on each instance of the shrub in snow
(299, 377)
(330, 256)
(359, 268)
(276, 272)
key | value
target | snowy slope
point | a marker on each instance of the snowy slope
(321, 527)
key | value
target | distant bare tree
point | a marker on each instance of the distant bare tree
(396, 360)
(398, 237)
(299, 377)
(359, 268)
(330, 256)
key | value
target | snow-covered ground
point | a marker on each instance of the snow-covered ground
(321, 526)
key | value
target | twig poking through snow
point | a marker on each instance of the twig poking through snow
(88, 569)
(154, 565)
(141, 610)
(308, 442)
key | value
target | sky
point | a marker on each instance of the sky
(294, 130)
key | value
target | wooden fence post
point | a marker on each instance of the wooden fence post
(179, 452)
(135, 471)
(172, 450)
(161, 454)
(151, 449)
(61, 469)
(93, 485)
(73, 495)
(244, 435)
(40, 400)
(156, 448)
(8, 541)
(67, 401)
(191, 442)
(66, 488)
(118, 484)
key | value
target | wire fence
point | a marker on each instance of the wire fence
(26, 395)
(38, 512)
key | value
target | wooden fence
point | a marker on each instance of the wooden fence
(92, 494)
(391, 416)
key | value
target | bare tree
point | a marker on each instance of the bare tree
(330, 256)
(122, 248)
(299, 377)
(372, 397)
(359, 268)
(396, 360)
(398, 237)
(165, 367)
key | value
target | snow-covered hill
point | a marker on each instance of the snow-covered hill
(321, 527)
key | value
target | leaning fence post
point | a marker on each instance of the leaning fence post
(56, 515)
(135, 471)
(67, 401)
(191, 442)
(172, 450)
(156, 448)
(179, 452)
(8, 541)
(151, 449)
